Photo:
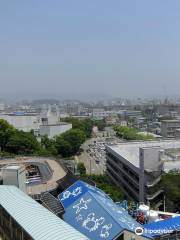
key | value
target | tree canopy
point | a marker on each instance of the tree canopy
(103, 182)
(81, 168)
(15, 141)
(6, 131)
(68, 143)
(85, 125)
(131, 133)
(22, 143)
(171, 186)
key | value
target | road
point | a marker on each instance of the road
(90, 161)
(97, 152)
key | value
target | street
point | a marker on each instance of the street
(93, 156)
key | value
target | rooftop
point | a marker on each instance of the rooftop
(57, 124)
(130, 151)
(37, 221)
(92, 212)
(12, 167)
(157, 228)
(50, 184)
(171, 120)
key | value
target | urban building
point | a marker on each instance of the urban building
(33, 175)
(100, 113)
(14, 175)
(167, 108)
(170, 128)
(42, 124)
(137, 167)
(22, 121)
(52, 130)
(94, 214)
(132, 114)
(22, 218)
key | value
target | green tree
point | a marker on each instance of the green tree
(63, 147)
(131, 133)
(101, 124)
(22, 143)
(48, 145)
(171, 186)
(68, 143)
(6, 131)
(76, 123)
(81, 168)
(104, 183)
(86, 125)
(75, 138)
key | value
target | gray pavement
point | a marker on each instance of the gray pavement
(94, 160)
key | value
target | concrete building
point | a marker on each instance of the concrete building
(167, 108)
(52, 130)
(137, 167)
(22, 121)
(45, 123)
(100, 113)
(42, 174)
(132, 113)
(169, 128)
(14, 175)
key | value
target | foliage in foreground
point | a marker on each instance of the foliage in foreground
(103, 182)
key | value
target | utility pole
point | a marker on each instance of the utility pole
(164, 203)
(90, 166)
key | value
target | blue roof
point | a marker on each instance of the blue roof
(19, 113)
(93, 213)
(164, 226)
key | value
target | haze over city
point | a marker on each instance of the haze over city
(90, 120)
(87, 49)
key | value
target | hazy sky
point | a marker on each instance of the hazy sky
(84, 48)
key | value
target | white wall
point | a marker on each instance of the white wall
(53, 130)
(25, 123)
